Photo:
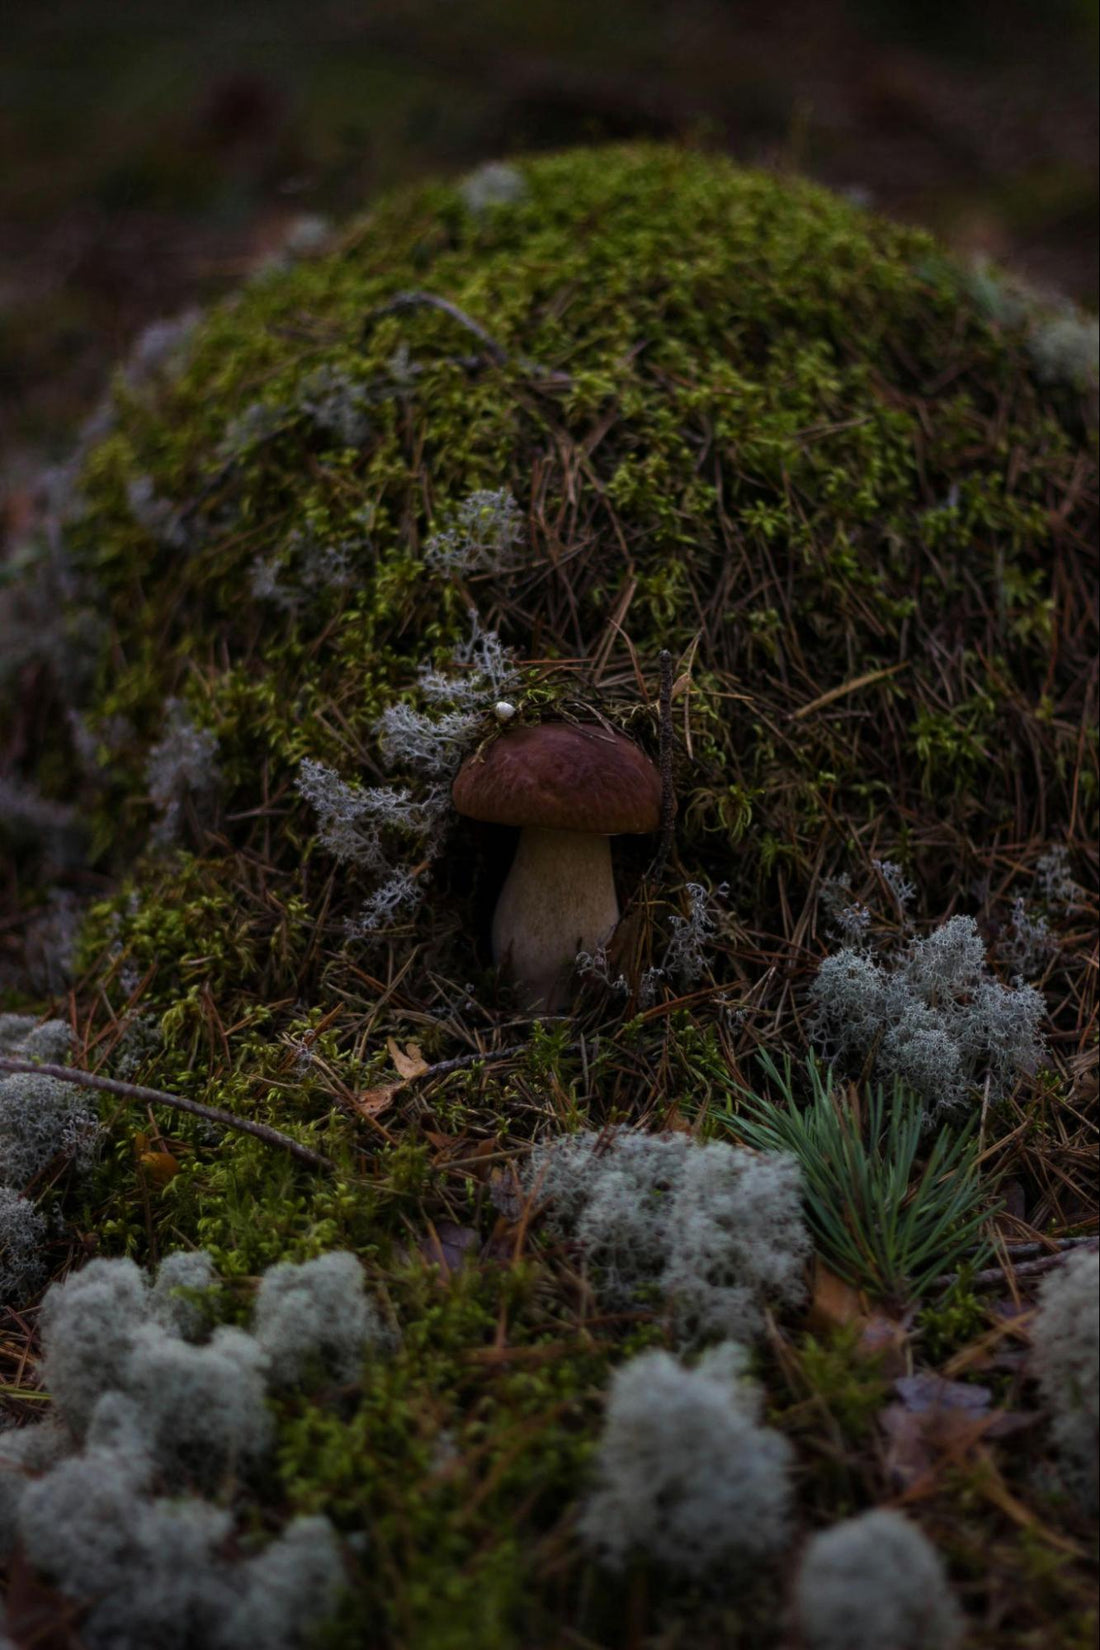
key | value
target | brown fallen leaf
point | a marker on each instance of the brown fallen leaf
(373, 1101)
(925, 1393)
(887, 1339)
(506, 1192)
(834, 1304)
(937, 1422)
(476, 1160)
(409, 1061)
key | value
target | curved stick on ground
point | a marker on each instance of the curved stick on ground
(157, 1097)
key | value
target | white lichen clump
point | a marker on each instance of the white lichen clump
(23, 1235)
(181, 770)
(493, 184)
(872, 1582)
(315, 1315)
(152, 1411)
(685, 1472)
(937, 1018)
(1062, 339)
(366, 826)
(42, 1120)
(713, 1231)
(1066, 1358)
(483, 537)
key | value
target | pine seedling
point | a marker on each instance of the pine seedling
(884, 1218)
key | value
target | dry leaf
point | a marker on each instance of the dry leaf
(373, 1101)
(924, 1394)
(506, 1192)
(835, 1304)
(161, 1167)
(888, 1339)
(445, 1144)
(409, 1061)
(473, 1160)
(938, 1421)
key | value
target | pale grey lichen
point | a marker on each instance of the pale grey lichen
(286, 1590)
(160, 518)
(872, 1582)
(1065, 1357)
(932, 1014)
(686, 956)
(41, 1117)
(315, 1317)
(711, 1231)
(364, 825)
(104, 1503)
(25, 1453)
(203, 1406)
(352, 818)
(159, 352)
(180, 1297)
(181, 770)
(335, 403)
(31, 1039)
(1055, 879)
(23, 1235)
(1062, 339)
(685, 1474)
(1065, 348)
(495, 183)
(483, 536)
(88, 1324)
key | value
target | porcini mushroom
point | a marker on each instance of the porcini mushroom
(569, 789)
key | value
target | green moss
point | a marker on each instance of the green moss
(761, 362)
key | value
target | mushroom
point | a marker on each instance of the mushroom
(569, 789)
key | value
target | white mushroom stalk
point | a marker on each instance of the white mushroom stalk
(559, 898)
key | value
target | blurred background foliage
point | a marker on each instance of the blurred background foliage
(151, 159)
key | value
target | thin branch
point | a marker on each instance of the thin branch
(157, 1097)
(492, 1056)
(994, 1275)
(1025, 1251)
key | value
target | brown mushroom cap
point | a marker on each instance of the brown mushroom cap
(562, 778)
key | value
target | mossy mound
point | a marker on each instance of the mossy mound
(744, 423)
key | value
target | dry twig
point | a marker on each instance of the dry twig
(157, 1097)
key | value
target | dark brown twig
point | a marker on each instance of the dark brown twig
(994, 1275)
(157, 1097)
(494, 1056)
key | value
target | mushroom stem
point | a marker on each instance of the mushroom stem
(558, 899)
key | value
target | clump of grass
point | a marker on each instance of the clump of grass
(889, 1211)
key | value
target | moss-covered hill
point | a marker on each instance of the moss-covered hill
(635, 402)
